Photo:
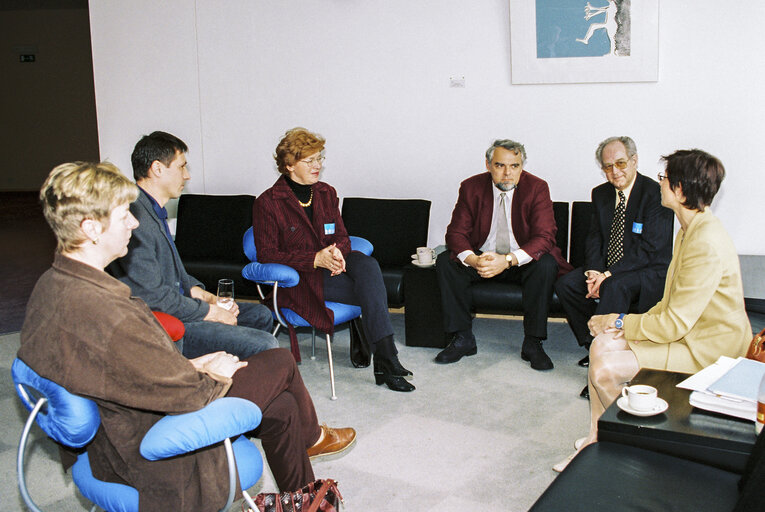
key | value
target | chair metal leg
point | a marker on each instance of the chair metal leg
(331, 368)
(313, 343)
(22, 448)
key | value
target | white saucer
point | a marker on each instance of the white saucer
(418, 264)
(661, 406)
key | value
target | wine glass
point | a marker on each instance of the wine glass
(226, 293)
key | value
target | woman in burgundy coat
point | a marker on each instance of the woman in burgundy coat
(297, 222)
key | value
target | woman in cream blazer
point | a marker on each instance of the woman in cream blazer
(701, 315)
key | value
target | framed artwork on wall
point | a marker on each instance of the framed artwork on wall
(581, 41)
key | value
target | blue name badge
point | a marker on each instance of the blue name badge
(329, 229)
(637, 227)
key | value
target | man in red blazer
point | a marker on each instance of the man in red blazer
(503, 229)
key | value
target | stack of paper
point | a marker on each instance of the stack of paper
(729, 386)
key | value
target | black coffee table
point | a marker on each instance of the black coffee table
(682, 431)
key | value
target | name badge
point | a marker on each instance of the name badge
(329, 229)
(637, 227)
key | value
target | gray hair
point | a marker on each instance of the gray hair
(510, 145)
(628, 143)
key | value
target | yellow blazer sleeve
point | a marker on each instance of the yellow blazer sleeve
(694, 278)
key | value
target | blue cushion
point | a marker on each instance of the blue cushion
(222, 418)
(249, 463)
(248, 244)
(362, 245)
(109, 496)
(123, 498)
(269, 273)
(69, 419)
(343, 313)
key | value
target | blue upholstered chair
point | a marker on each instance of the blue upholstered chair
(283, 276)
(73, 421)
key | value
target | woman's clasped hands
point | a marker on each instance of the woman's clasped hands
(330, 258)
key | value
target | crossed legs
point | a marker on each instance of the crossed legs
(612, 365)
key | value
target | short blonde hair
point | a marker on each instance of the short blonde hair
(76, 191)
(296, 144)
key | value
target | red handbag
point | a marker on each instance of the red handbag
(321, 495)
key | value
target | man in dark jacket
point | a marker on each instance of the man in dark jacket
(629, 245)
(155, 273)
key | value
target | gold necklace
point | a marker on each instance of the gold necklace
(310, 200)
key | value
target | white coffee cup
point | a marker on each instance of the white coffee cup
(424, 256)
(641, 397)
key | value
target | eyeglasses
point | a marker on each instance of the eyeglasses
(619, 164)
(661, 176)
(314, 161)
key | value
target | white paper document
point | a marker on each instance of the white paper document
(729, 386)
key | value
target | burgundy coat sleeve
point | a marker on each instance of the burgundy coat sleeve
(471, 218)
(532, 217)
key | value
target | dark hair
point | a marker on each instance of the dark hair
(698, 173)
(160, 146)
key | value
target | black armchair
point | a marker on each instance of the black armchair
(395, 227)
(209, 239)
(611, 476)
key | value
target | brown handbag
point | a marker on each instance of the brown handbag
(756, 350)
(321, 495)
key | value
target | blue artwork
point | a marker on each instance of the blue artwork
(577, 28)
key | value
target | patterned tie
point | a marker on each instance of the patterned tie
(503, 230)
(616, 241)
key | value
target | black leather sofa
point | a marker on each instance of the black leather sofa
(395, 227)
(209, 239)
(611, 476)
(506, 298)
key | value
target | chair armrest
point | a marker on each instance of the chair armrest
(183, 433)
(362, 245)
(270, 273)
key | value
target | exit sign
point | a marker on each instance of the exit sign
(30, 57)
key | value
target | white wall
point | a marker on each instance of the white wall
(229, 77)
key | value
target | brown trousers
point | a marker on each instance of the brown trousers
(289, 427)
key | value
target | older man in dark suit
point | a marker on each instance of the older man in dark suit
(503, 229)
(155, 273)
(629, 244)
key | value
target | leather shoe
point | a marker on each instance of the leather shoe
(585, 393)
(461, 345)
(533, 352)
(335, 441)
(384, 374)
(585, 361)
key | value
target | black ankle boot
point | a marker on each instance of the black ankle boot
(384, 375)
(394, 365)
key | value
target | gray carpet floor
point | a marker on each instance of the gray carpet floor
(481, 434)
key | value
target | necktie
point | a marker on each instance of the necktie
(616, 241)
(503, 230)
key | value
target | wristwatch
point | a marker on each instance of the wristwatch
(509, 258)
(619, 323)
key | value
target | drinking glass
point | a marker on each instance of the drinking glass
(226, 293)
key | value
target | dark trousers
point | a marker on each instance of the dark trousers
(362, 285)
(289, 426)
(537, 279)
(617, 294)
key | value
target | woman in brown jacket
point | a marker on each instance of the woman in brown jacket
(85, 332)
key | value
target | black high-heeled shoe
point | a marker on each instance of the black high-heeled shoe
(384, 375)
(393, 365)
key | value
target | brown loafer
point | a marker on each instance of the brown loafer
(335, 441)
